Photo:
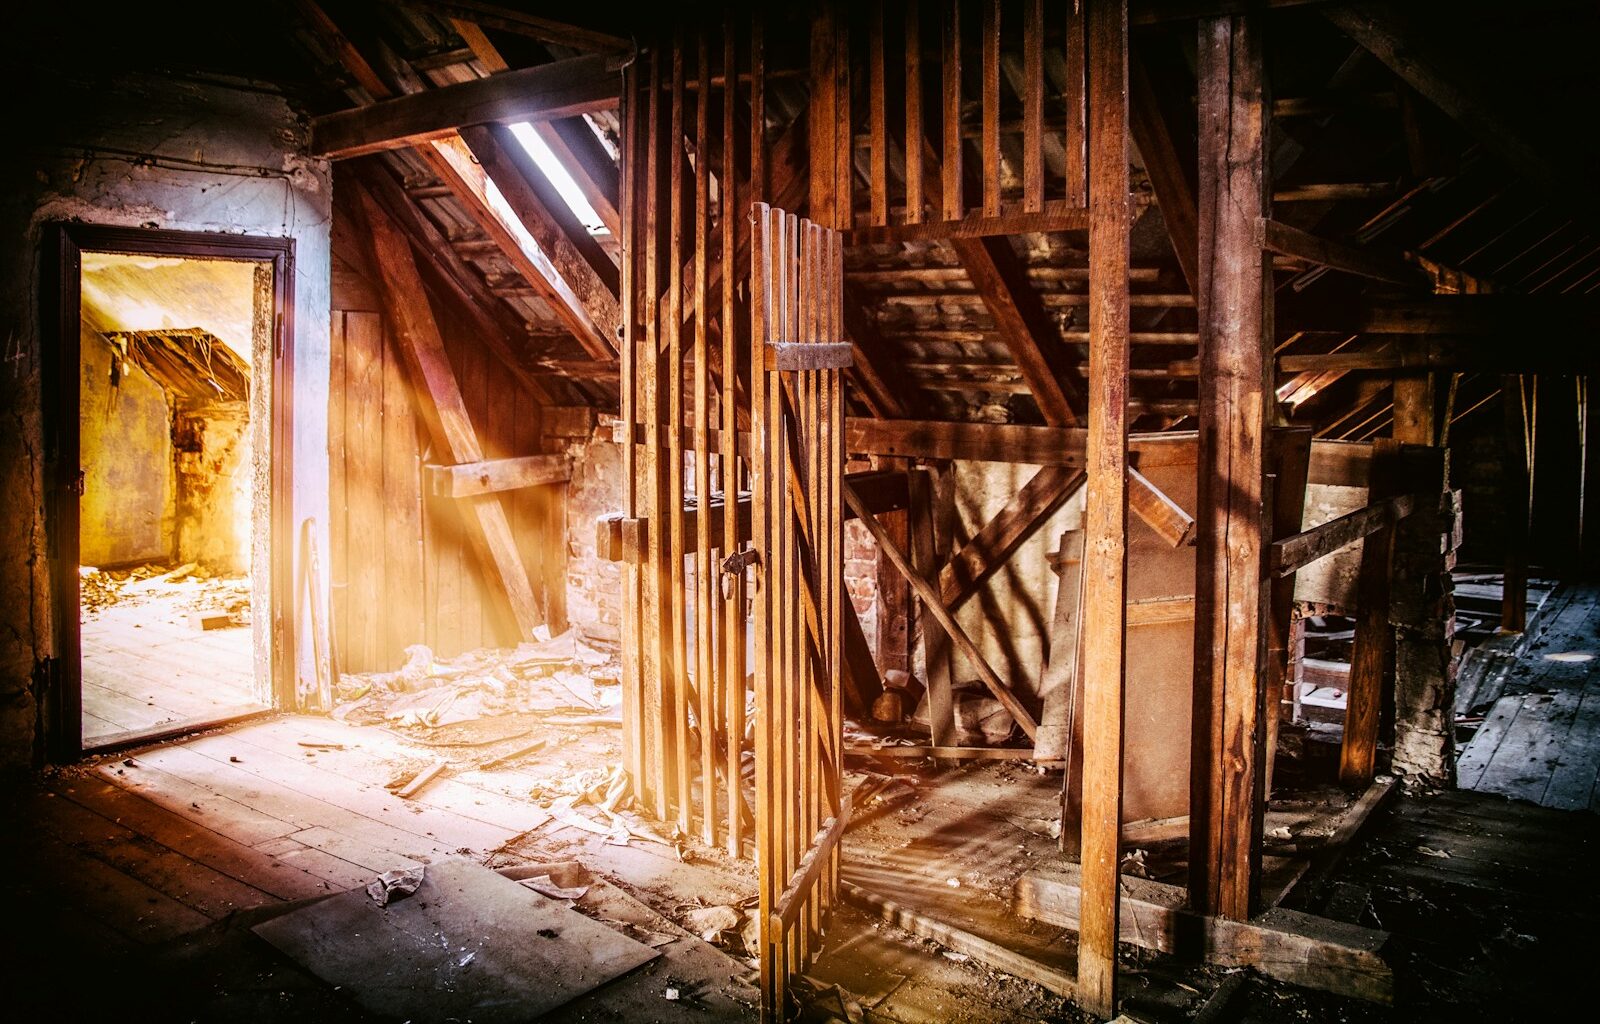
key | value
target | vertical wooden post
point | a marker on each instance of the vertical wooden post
(1413, 409)
(1106, 516)
(1230, 605)
(1291, 460)
(1374, 640)
(632, 621)
(952, 205)
(1514, 598)
(913, 112)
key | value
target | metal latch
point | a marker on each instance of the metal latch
(734, 566)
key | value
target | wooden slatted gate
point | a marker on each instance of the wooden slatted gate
(796, 289)
(709, 514)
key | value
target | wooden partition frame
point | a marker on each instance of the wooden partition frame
(61, 308)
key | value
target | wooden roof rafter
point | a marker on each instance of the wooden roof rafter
(457, 168)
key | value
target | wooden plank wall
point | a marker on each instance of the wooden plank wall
(403, 571)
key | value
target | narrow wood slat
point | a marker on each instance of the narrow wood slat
(914, 129)
(951, 172)
(733, 667)
(653, 638)
(990, 73)
(632, 623)
(760, 302)
(1074, 99)
(682, 768)
(705, 668)
(1033, 106)
(877, 120)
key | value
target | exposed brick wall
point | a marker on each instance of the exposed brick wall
(594, 585)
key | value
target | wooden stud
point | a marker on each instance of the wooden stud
(1106, 512)
(991, 108)
(733, 627)
(1074, 99)
(677, 625)
(953, 207)
(877, 119)
(914, 132)
(1033, 106)
(704, 563)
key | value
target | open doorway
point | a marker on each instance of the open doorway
(170, 357)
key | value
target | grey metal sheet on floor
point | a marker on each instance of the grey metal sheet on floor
(469, 944)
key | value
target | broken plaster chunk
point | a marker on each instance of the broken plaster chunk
(710, 922)
(394, 885)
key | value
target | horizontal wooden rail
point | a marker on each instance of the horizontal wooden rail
(1004, 442)
(494, 475)
(792, 902)
(1057, 216)
(1278, 237)
(578, 85)
(883, 490)
(1291, 554)
(1313, 952)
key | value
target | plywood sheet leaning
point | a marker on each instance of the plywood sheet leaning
(468, 944)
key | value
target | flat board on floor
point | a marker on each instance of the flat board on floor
(469, 944)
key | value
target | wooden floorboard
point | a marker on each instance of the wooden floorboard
(198, 843)
(1540, 742)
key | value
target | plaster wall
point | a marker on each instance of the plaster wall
(126, 514)
(144, 150)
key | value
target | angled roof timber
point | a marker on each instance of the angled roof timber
(1172, 172)
(1385, 32)
(457, 168)
(584, 301)
(570, 139)
(506, 19)
(578, 85)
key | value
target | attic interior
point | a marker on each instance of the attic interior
(902, 511)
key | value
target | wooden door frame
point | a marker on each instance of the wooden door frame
(60, 316)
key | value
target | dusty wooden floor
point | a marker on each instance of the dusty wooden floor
(146, 668)
(1540, 741)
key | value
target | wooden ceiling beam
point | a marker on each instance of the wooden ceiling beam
(564, 88)
(1276, 236)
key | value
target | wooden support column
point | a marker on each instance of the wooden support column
(1106, 516)
(1422, 620)
(1230, 601)
(1372, 651)
(1413, 409)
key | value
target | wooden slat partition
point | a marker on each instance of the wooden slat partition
(685, 355)
(1053, 196)
(796, 296)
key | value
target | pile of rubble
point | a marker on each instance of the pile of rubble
(189, 587)
(562, 680)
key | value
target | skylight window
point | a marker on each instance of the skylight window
(557, 173)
